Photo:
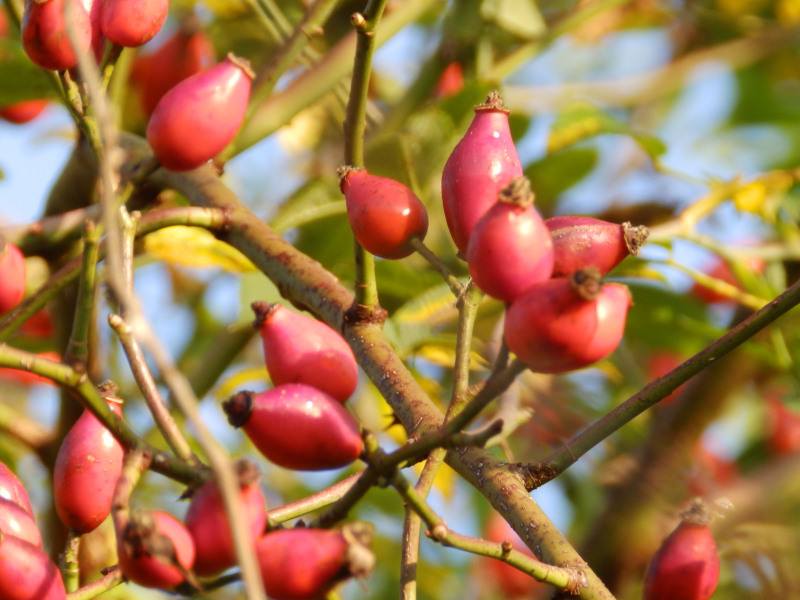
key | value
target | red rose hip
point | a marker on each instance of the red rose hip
(299, 349)
(12, 276)
(155, 550)
(14, 520)
(131, 23)
(582, 242)
(305, 564)
(566, 324)
(26, 573)
(11, 488)
(208, 524)
(87, 467)
(510, 249)
(44, 33)
(384, 214)
(23, 112)
(297, 427)
(686, 567)
(482, 164)
(201, 115)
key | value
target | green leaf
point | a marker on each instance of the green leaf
(20, 79)
(555, 173)
(316, 200)
(518, 17)
(582, 120)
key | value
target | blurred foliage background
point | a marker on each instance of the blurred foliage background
(682, 115)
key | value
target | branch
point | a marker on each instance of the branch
(24, 429)
(313, 502)
(455, 285)
(109, 581)
(569, 453)
(50, 231)
(78, 347)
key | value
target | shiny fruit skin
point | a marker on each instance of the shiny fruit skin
(131, 23)
(581, 242)
(87, 467)
(208, 524)
(11, 488)
(513, 582)
(14, 520)
(482, 163)
(299, 349)
(686, 567)
(383, 213)
(148, 570)
(554, 330)
(301, 564)
(28, 378)
(300, 427)
(26, 573)
(510, 250)
(12, 277)
(44, 34)
(94, 8)
(183, 55)
(23, 112)
(200, 116)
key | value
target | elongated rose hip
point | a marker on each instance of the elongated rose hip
(12, 275)
(15, 520)
(582, 242)
(23, 112)
(44, 33)
(299, 349)
(482, 163)
(686, 567)
(208, 524)
(26, 573)
(384, 214)
(567, 323)
(510, 249)
(131, 23)
(200, 116)
(88, 465)
(11, 488)
(297, 427)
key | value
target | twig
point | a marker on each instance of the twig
(77, 354)
(136, 463)
(144, 379)
(70, 569)
(24, 429)
(569, 453)
(50, 231)
(109, 581)
(313, 502)
(455, 285)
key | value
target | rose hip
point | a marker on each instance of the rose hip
(208, 524)
(12, 489)
(686, 567)
(299, 349)
(131, 23)
(14, 520)
(201, 115)
(451, 81)
(581, 242)
(12, 276)
(566, 324)
(482, 164)
(87, 467)
(384, 214)
(94, 8)
(723, 272)
(297, 427)
(23, 112)
(26, 573)
(305, 564)
(44, 33)
(155, 550)
(510, 249)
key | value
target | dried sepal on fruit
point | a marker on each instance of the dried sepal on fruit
(686, 566)
(383, 213)
(482, 164)
(305, 564)
(510, 249)
(297, 427)
(299, 349)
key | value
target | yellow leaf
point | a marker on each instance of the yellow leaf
(194, 247)
(445, 356)
(234, 383)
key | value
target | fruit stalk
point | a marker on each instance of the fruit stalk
(436, 263)
(70, 568)
(77, 354)
(110, 580)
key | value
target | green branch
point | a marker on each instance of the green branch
(77, 354)
(569, 453)
(452, 281)
(70, 568)
(109, 581)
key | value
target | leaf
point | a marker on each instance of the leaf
(581, 120)
(195, 247)
(445, 356)
(315, 200)
(255, 287)
(20, 79)
(518, 17)
(235, 382)
(556, 173)
(763, 196)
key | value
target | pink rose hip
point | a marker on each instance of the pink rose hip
(510, 249)
(11, 488)
(297, 427)
(26, 573)
(44, 33)
(482, 164)
(87, 467)
(14, 520)
(12, 275)
(131, 23)
(201, 115)
(299, 349)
